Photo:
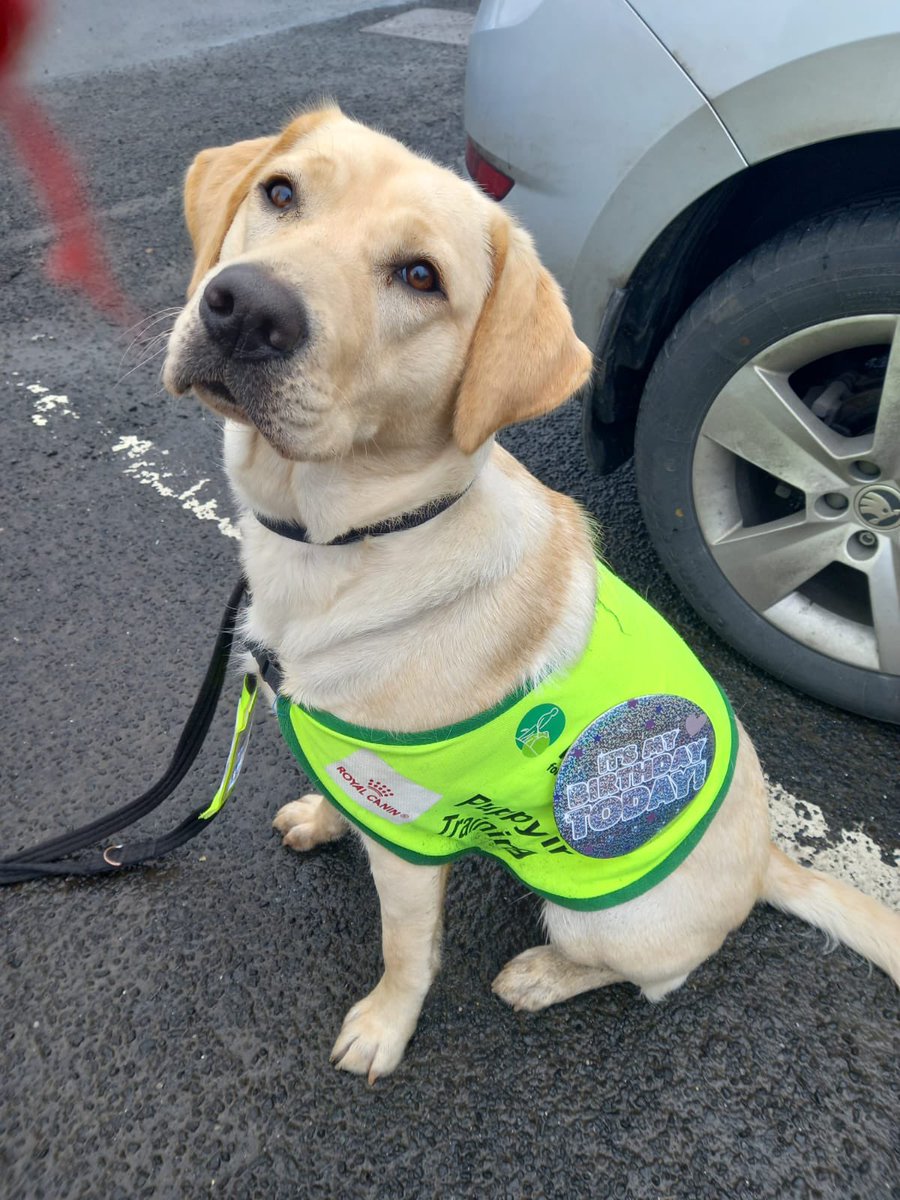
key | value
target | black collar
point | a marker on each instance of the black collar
(408, 520)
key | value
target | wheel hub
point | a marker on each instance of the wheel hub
(879, 507)
(796, 483)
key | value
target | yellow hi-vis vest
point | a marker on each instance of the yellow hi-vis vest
(591, 787)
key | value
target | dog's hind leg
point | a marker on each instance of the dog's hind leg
(308, 822)
(543, 975)
(656, 939)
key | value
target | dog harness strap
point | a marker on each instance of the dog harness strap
(409, 520)
(590, 788)
(266, 662)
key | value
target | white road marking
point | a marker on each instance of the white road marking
(143, 463)
(428, 25)
(849, 854)
(47, 404)
(146, 470)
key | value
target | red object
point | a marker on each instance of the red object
(15, 17)
(77, 257)
(488, 177)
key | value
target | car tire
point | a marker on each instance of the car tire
(757, 455)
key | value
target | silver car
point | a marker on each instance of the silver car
(717, 187)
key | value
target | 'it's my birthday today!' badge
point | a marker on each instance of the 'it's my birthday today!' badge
(631, 772)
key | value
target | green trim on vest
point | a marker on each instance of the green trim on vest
(486, 785)
(381, 737)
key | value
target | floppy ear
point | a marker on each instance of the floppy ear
(524, 358)
(218, 181)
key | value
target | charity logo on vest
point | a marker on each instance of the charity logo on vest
(631, 772)
(539, 729)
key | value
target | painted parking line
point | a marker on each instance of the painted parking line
(143, 464)
(428, 25)
(143, 461)
(48, 404)
(799, 827)
(849, 854)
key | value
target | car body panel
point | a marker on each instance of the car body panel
(659, 152)
(782, 75)
(588, 184)
(693, 156)
(602, 167)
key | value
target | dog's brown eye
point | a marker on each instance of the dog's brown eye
(280, 192)
(420, 275)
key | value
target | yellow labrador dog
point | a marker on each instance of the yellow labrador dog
(366, 322)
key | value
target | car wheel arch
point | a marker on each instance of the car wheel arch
(716, 230)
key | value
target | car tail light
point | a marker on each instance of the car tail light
(487, 176)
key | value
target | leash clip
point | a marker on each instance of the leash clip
(111, 861)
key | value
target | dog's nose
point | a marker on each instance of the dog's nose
(251, 315)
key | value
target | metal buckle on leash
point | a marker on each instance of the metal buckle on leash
(111, 861)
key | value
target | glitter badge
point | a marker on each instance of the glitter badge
(631, 772)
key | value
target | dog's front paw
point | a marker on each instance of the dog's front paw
(374, 1036)
(308, 822)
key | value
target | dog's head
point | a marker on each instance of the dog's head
(347, 292)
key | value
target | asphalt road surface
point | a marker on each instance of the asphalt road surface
(166, 1032)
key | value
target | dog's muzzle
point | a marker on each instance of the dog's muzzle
(252, 317)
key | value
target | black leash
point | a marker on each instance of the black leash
(51, 857)
(46, 859)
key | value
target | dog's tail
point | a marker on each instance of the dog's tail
(865, 925)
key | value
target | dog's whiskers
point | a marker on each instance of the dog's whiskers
(148, 358)
(145, 323)
(141, 339)
(147, 349)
